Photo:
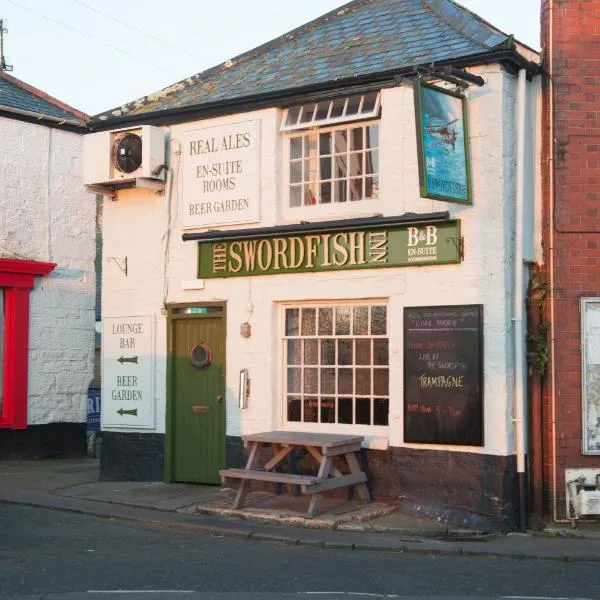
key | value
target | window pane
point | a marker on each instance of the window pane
(292, 116)
(340, 141)
(378, 320)
(345, 381)
(363, 351)
(353, 105)
(325, 321)
(311, 352)
(296, 171)
(328, 352)
(344, 352)
(371, 162)
(326, 192)
(310, 144)
(345, 410)
(342, 320)
(340, 166)
(307, 113)
(380, 352)
(309, 316)
(380, 411)
(369, 101)
(363, 382)
(295, 195)
(381, 382)
(311, 407)
(310, 197)
(296, 147)
(293, 409)
(327, 381)
(356, 189)
(363, 411)
(311, 381)
(325, 168)
(325, 143)
(372, 136)
(323, 110)
(339, 190)
(371, 187)
(292, 320)
(356, 138)
(294, 348)
(356, 164)
(294, 379)
(360, 320)
(338, 107)
(310, 169)
(327, 410)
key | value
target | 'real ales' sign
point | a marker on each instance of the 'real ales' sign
(393, 246)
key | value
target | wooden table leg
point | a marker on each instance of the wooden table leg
(242, 490)
(363, 490)
(315, 499)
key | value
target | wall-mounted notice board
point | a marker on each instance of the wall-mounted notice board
(443, 367)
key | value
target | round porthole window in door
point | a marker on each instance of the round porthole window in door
(201, 356)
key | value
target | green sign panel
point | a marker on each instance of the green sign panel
(416, 245)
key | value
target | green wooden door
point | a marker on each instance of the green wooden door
(197, 400)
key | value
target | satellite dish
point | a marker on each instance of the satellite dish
(127, 152)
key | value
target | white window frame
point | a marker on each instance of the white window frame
(590, 356)
(319, 212)
(370, 432)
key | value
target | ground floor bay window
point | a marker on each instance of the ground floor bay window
(336, 361)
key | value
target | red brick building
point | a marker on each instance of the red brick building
(571, 191)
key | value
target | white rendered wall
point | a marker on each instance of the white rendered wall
(484, 277)
(46, 215)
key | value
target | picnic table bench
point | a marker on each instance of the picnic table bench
(323, 447)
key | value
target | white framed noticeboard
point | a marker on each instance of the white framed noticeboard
(128, 359)
(590, 380)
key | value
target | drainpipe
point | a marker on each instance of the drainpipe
(520, 414)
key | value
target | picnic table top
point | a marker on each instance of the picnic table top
(300, 438)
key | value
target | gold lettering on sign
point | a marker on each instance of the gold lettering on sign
(235, 260)
(265, 255)
(219, 258)
(281, 261)
(357, 248)
(250, 254)
(378, 249)
(311, 249)
(296, 252)
(340, 250)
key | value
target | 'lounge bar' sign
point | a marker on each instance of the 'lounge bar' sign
(393, 246)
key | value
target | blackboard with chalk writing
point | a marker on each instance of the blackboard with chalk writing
(443, 387)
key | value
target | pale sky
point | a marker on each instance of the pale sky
(95, 61)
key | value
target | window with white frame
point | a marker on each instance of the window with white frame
(336, 360)
(333, 151)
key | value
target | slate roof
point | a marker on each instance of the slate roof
(361, 38)
(15, 93)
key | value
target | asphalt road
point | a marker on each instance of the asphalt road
(62, 556)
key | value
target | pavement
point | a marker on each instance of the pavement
(73, 485)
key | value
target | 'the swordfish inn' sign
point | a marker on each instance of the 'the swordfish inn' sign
(394, 246)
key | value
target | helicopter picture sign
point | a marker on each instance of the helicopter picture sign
(442, 144)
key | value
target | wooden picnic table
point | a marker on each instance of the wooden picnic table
(323, 447)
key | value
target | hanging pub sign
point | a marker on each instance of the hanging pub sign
(415, 245)
(220, 175)
(442, 144)
(443, 393)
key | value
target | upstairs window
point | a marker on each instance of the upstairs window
(335, 159)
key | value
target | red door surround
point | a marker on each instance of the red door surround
(17, 280)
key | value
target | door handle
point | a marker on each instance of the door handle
(219, 398)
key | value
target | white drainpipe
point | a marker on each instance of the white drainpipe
(520, 412)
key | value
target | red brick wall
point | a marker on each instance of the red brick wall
(574, 215)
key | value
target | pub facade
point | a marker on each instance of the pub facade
(330, 252)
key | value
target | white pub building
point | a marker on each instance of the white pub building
(328, 234)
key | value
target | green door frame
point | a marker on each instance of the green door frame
(173, 315)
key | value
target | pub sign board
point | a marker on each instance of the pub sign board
(443, 391)
(442, 144)
(420, 244)
(220, 175)
(128, 372)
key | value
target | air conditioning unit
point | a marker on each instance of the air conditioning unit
(124, 158)
(582, 492)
